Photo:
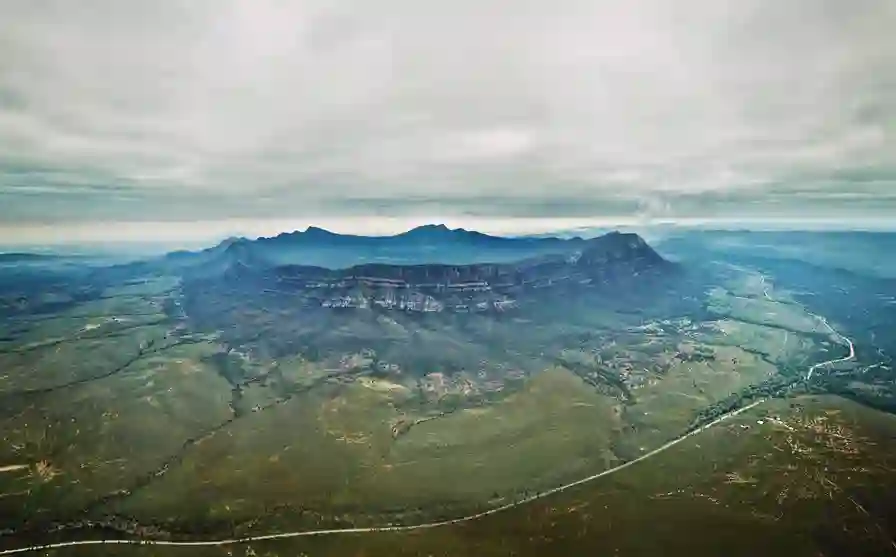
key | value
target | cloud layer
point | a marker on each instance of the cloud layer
(263, 109)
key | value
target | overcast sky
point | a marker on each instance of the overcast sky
(282, 114)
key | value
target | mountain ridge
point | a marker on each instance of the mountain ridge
(433, 243)
(428, 231)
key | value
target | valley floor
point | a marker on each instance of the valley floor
(118, 422)
(802, 477)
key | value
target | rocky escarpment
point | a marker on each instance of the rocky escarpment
(495, 287)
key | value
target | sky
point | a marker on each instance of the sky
(135, 120)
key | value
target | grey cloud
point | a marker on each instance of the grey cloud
(235, 108)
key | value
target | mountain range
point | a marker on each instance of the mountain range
(246, 268)
(424, 315)
(424, 244)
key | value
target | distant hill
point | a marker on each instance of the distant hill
(48, 260)
(27, 257)
(868, 253)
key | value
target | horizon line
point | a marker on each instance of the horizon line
(195, 233)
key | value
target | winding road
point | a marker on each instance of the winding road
(425, 526)
(850, 356)
(824, 321)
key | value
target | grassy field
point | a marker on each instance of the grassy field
(83, 442)
(666, 406)
(812, 481)
(46, 351)
(340, 457)
(779, 346)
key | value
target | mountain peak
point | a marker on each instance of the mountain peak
(617, 245)
(226, 244)
(428, 231)
(429, 228)
(317, 231)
